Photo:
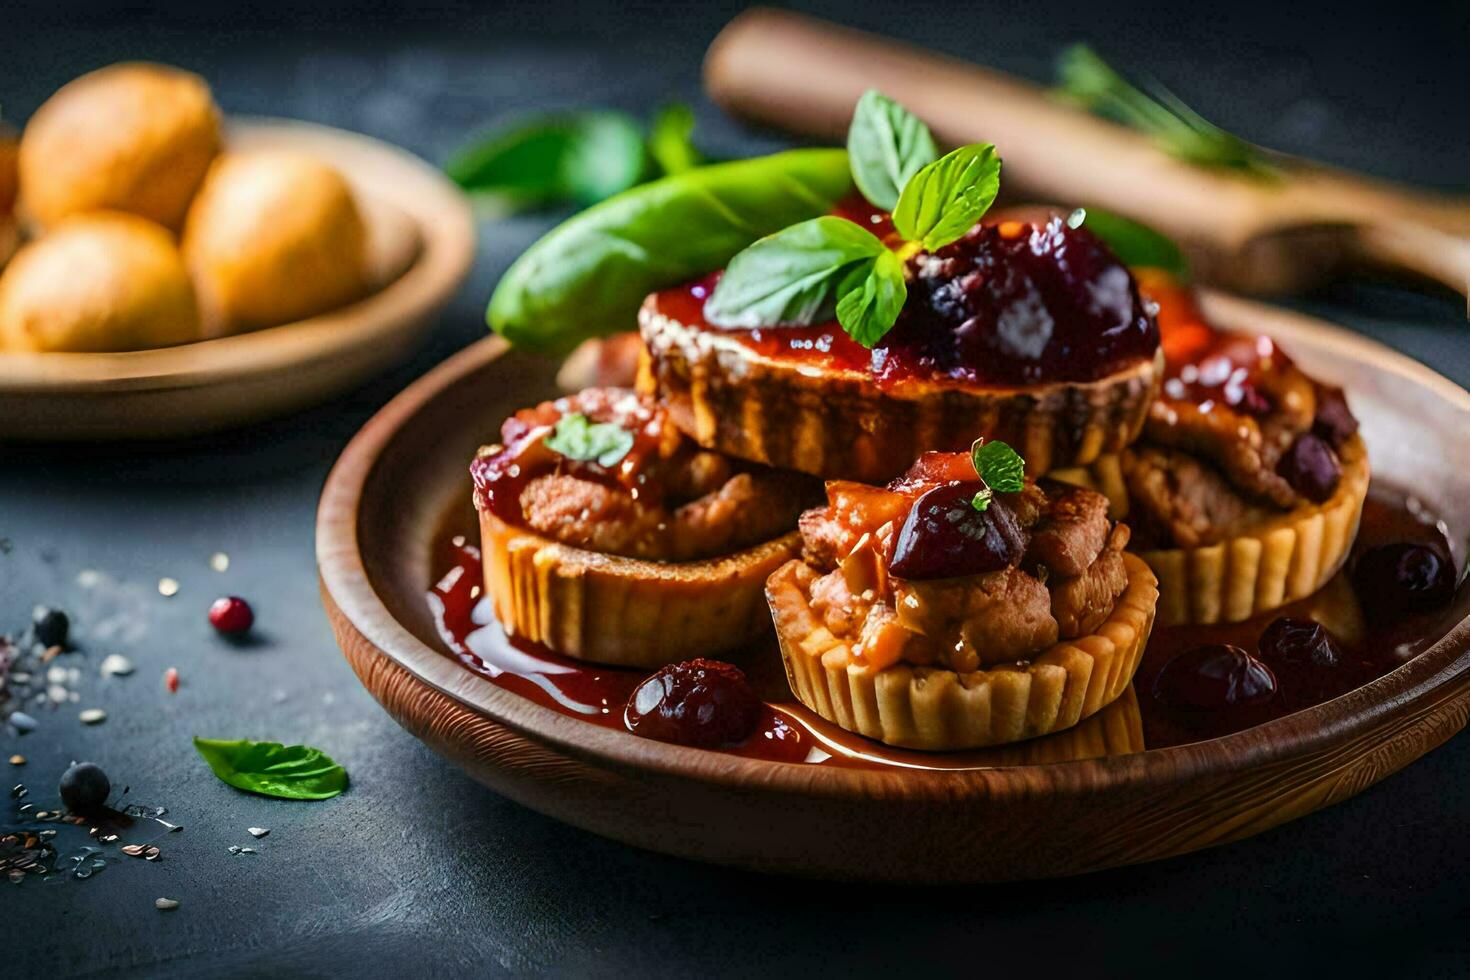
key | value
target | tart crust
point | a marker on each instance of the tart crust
(1277, 562)
(937, 709)
(836, 423)
(626, 611)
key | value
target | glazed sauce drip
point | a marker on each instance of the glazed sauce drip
(786, 732)
(1015, 303)
(1203, 365)
(502, 473)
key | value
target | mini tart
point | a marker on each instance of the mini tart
(638, 556)
(1029, 333)
(939, 710)
(628, 612)
(1231, 519)
(916, 619)
(1276, 562)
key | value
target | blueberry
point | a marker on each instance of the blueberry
(84, 787)
(51, 627)
(1311, 468)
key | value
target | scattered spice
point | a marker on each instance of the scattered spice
(231, 615)
(17, 760)
(22, 722)
(168, 587)
(165, 904)
(116, 665)
(171, 680)
(258, 832)
(219, 561)
(93, 716)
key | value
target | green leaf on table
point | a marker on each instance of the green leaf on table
(946, 198)
(290, 772)
(1000, 466)
(791, 278)
(1086, 80)
(1136, 245)
(886, 145)
(583, 157)
(870, 298)
(670, 140)
(578, 437)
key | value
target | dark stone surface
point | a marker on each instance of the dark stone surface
(417, 869)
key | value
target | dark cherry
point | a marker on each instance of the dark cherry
(1335, 422)
(697, 702)
(1300, 643)
(1021, 303)
(1214, 677)
(944, 536)
(84, 787)
(1307, 660)
(1396, 580)
(51, 627)
(231, 615)
(1311, 468)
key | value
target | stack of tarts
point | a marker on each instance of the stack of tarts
(984, 407)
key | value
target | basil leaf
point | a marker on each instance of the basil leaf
(290, 772)
(982, 498)
(587, 277)
(945, 198)
(1000, 466)
(670, 140)
(576, 437)
(1087, 80)
(887, 145)
(584, 157)
(870, 299)
(791, 277)
(1134, 244)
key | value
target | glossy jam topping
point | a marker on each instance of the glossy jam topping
(697, 702)
(1013, 303)
(501, 472)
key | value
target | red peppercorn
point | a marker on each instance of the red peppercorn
(231, 615)
(171, 680)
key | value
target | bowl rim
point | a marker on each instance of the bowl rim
(440, 212)
(348, 589)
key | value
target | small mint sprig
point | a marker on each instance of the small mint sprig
(830, 266)
(1000, 467)
(577, 437)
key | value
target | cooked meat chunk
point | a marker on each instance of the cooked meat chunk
(590, 515)
(743, 511)
(1072, 529)
(824, 540)
(1184, 498)
(981, 619)
(1246, 447)
(1081, 604)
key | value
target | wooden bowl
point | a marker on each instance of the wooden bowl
(387, 494)
(421, 243)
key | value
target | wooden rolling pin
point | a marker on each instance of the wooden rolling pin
(805, 75)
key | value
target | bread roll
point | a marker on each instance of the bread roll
(274, 236)
(130, 137)
(105, 281)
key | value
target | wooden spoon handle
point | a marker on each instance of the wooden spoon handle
(1419, 250)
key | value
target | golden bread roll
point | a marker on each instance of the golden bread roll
(105, 281)
(130, 137)
(274, 236)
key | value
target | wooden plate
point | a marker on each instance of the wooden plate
(385, 497)
(421, 239)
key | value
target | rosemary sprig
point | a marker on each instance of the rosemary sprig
(1087, 80)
